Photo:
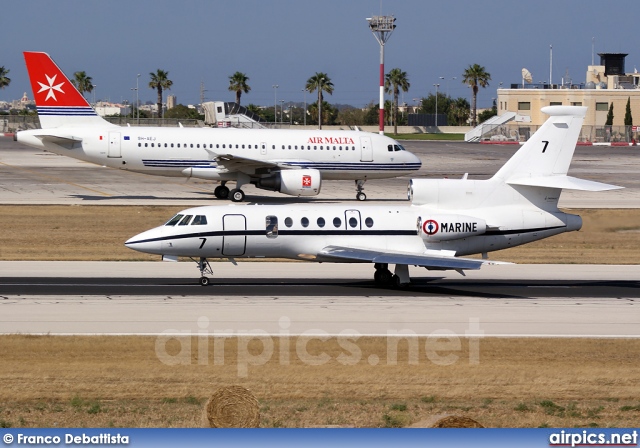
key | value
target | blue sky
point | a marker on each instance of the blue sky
(285, 42)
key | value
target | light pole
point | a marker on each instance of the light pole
(93, 89)
(436, 86)
(137, 101)
(132, 101)
(275, 103)
(305, 106)
(290, 113)
(281, 111)
(382, 27)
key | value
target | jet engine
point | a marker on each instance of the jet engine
(446, 227)
(305, 182)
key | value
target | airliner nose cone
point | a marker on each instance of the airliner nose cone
(149, 242)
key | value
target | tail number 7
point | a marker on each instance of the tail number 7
(546, 143)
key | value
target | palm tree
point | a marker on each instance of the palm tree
(160, 82)
(238, 84)
(395, 80)
(475, 76)
(82, 82)
(4, 80)
(320, 81)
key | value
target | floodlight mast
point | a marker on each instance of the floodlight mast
(382, 27)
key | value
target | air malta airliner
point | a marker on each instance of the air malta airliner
(447, 218)
(292, 162)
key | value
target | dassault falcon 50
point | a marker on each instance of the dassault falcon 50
(447, 218)
(292, 162)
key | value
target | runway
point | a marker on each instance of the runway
(255, 298)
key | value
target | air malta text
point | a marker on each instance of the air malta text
(332, 140)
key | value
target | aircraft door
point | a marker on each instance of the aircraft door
(234, 240)
(366, 149)
(352, 220)
(115, 149)
(263, 148)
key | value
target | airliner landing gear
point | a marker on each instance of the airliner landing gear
(383, 276)
(205, 268)
(385, 279)
(221, 191)
(237, 195)
(360, 196)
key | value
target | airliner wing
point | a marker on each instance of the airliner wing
(432, 260)
(244, 164)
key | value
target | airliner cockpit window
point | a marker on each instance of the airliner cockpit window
(185, 221)
(390, 148)
(398, 148)
(175, 220)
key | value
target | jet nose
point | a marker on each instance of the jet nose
(149, 242)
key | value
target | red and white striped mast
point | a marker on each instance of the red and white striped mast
(382, 27)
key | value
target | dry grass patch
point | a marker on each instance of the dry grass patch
(120, 381)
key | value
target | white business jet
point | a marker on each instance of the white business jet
(448, 217)
(292, 162)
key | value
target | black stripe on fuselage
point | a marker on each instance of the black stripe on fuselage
(338, 232)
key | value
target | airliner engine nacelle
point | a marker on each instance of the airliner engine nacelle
(441, 227)
(305, 182)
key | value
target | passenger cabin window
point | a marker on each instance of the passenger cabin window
(320, 222)
(337, 222)
(368, 222)
(304, 222)
(288, 222)
(175, 220)
(272, 226)
(186, 220)
(353, 222)
(199, 220)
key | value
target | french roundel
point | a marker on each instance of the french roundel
(430, 227)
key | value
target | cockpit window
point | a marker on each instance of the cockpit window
(272, 226)
(390, 148)
(398, 148)
(186, 220)
(199, 220)
(175, 220)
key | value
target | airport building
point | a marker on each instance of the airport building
(519, 106)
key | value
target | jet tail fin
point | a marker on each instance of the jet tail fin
(549, 151)
(58, 101)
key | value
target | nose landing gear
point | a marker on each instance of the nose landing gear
(205, 268)
(360, 196)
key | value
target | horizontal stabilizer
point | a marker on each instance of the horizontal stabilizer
(564, 182)
(429, 261)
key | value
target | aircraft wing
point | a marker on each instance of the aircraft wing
(438, 260)
(243, 164)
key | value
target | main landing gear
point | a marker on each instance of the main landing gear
(223, 192)
(385, 279)
(236, 195)
(205, 268)
(360, 196)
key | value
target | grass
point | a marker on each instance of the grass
(119, 381)
(98, 232)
